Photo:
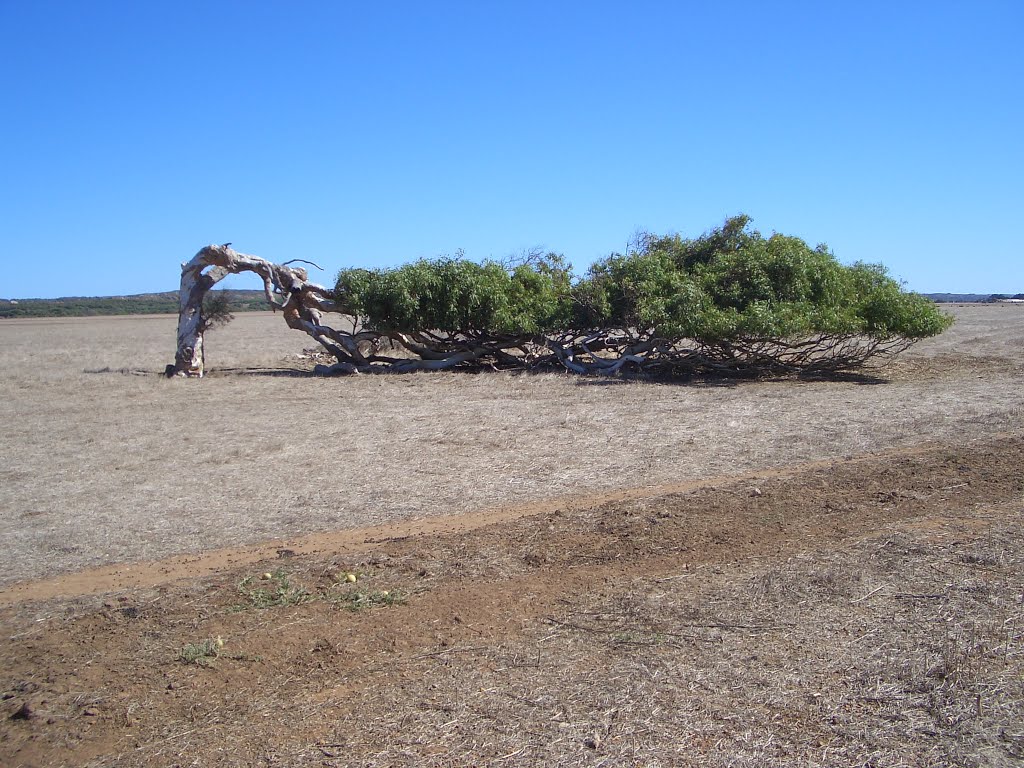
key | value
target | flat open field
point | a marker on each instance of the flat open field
(550, 570)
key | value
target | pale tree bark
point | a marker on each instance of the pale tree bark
(301, 303)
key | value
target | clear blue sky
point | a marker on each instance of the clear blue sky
(370, 134)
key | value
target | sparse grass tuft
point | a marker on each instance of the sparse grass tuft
(201, 654)
(357, 599)
(272, 590)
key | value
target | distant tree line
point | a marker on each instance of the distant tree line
(969, 298)
(142, 304)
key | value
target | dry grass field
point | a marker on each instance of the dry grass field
(99, 465)
(550, 570)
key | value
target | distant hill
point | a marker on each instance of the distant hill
(166, 303)
(968, 298)
(139, 304)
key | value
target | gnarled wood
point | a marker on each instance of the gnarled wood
(302, 301)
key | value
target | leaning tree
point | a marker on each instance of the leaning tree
(730, 302)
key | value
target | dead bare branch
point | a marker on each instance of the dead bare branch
(302, 261)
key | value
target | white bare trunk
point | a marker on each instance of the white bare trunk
(303, 302)
(189, 359)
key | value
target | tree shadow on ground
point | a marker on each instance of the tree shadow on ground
(583, 380)
(736, 380)
(848, 377)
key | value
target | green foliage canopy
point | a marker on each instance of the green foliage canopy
(455, 295)
(729, 284)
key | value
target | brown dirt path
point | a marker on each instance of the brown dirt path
(144, 574)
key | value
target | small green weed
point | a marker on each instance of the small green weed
(356, 600)
(272, 590)
(201, 654)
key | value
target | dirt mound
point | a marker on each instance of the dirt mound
(863, 611)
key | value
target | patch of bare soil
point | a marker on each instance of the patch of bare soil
(862, 612)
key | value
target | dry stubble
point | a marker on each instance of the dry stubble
(105, 461)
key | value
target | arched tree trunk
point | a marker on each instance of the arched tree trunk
(301, 303)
